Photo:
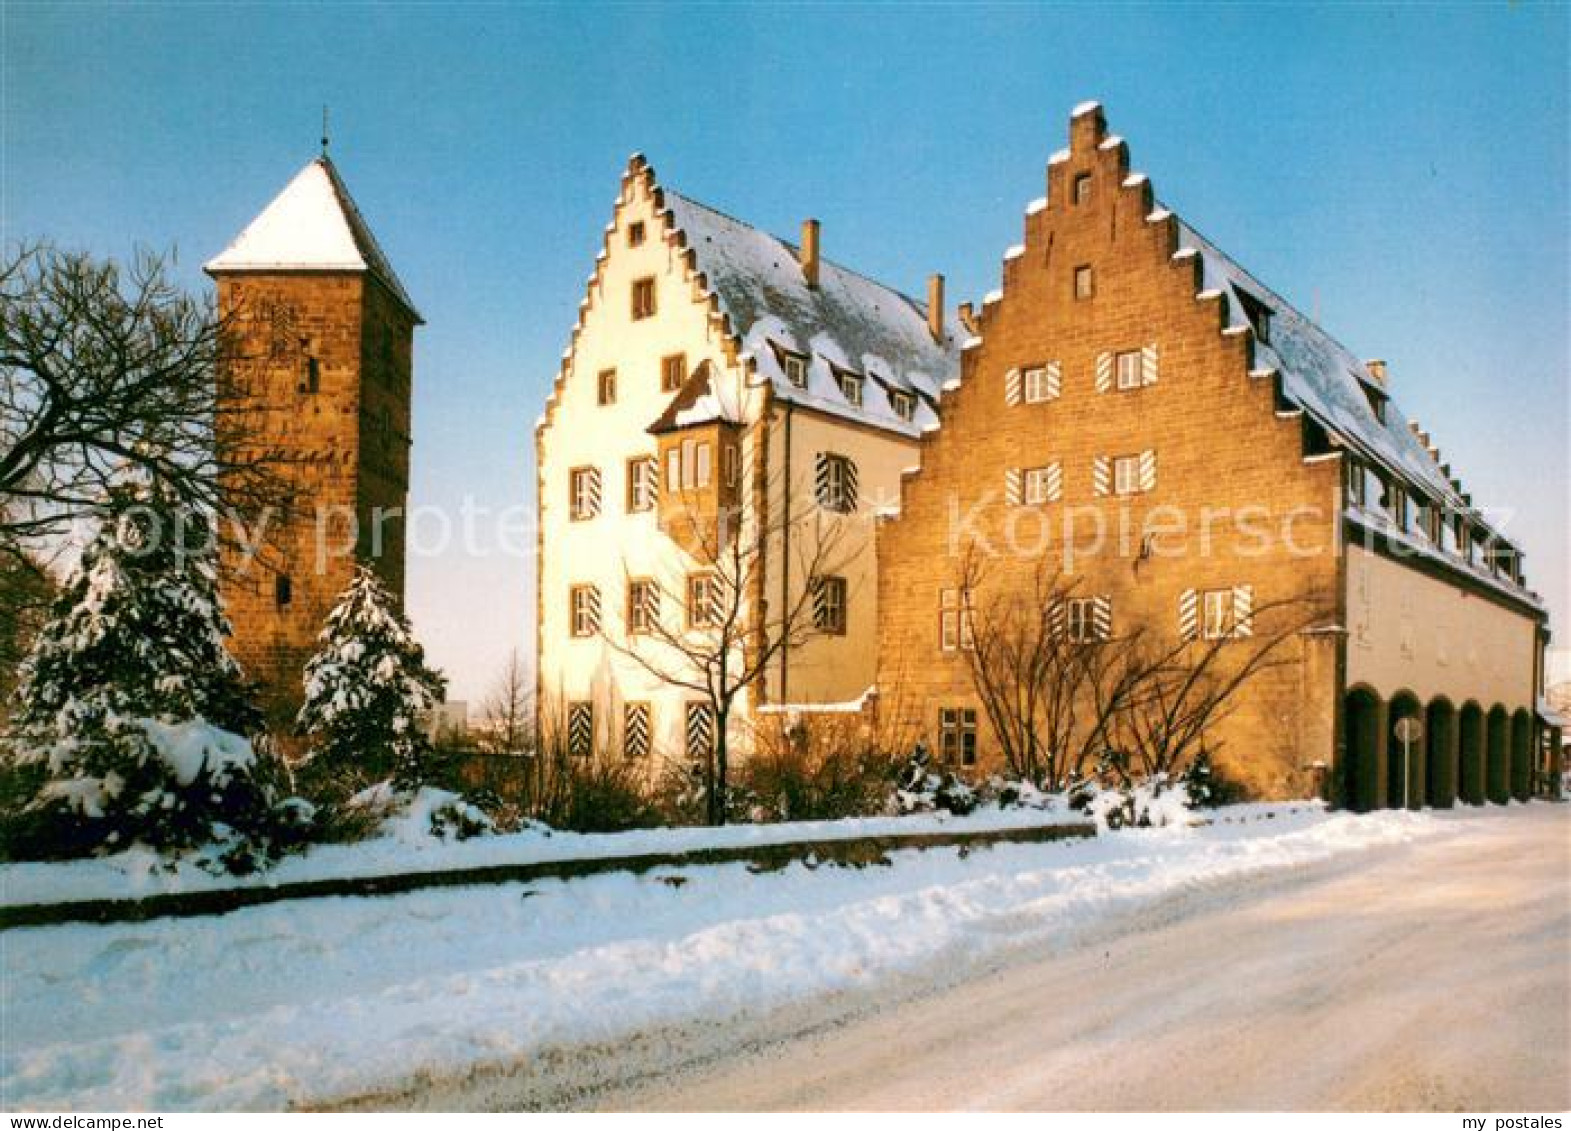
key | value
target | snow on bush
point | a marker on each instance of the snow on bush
(133, 724)
(415, 817)
(367, 689)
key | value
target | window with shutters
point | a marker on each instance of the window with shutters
(635, 233)
(1085, 286)
(851, 384)
(829, 605)
(957, 735)
(903, 404)
(643, 484)
(643, 298)
(643, 606)
(1129, 369)
(606, 393)
(1042, 484)
(1040, 383)
(584, 610)
(836, 483)
(673, 371)
(1216, 614)
(1126, 475)
(636, 731)
(584, 493)
(1088, 619)
(955, 629)
(580, 729)
(703, 600)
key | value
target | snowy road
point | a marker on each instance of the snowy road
(1433, 974)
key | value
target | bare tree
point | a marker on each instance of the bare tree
(27, 588)
(711, 630)
(507, 712)
(105, 369)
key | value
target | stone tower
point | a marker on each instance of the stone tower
(323, 338)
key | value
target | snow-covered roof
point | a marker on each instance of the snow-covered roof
(1321, 376)
(313, 225)
(698, 401)
(847, 322)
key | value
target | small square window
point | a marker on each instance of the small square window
(850, 385)
(1126, 475)
(795, 366)
(606, 391)
(1084, 284)
(635, 233)
(1082, 188)
(643, 298)
(1040, 384)
(673, 371)
(1042, 485)
(903, 404)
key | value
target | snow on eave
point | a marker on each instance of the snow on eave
(1059, 157)
(1112, 141)
(1037, 205)
(1085, 108)
(1135, 179)
(1015, 252)
(971, 343)
(991, 297)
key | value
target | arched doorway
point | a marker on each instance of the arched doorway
(1361, 756)
(1470, 754)
(1440, 758)
(1496, 755)
(1522, 755)
(1404, 763)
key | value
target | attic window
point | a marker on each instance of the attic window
(635, 233)
(794, 365)
(1083, 188)
(1258, 313)
(903, 403)
(850, 385)
(643, 298)
(1377, 400)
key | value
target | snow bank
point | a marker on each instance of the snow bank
(289, 1004)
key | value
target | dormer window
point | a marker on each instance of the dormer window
(903, 404)
(1258, 313)
(850, 385)
(792, 364)
(1377, 400)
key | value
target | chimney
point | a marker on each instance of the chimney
(935, 307)
(968, 317)
(809, 252)
(1377, 370)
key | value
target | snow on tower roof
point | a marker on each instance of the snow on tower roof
(313, 225)
(847, 322)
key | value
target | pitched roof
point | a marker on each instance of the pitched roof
(847, 321)
(313, 225)
(698, 401)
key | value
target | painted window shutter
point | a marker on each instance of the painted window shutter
(700, 736)
(1188, 614)
(1012, 387)
(592, 602)
(1101, 475)
(1055, 482)
(1104, 372)
(581, 729)
(1148, 365)
(1102, 617)
(846, 500)
(1148, 470)
(851, 493)
(1012, 486)
(635, 730)
(1055, 620)
(1055, 380)
(820, 600)
(1243, 610)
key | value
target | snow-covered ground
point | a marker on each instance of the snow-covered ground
(309, 1001)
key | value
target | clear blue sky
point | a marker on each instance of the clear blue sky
(1400, 170)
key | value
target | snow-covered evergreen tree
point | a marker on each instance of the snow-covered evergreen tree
(133, 724)
(367, 691)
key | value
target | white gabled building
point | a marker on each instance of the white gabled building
(716, 366)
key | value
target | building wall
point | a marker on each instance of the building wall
(1219, 442)
(360, 340)
(1408, 631)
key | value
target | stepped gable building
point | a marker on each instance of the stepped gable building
(716, 369)
(323, 359)
(1129, 371)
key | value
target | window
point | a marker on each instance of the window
(1217, 607)
(691, 470)
(1088, 620)
(1082, 188)
(903, 404)
(635, 233)
(1377, 400)
(643, 484)
(1041, 383)
(606, 392)
(1126, 475)
(1357, 483)
(643, 298)
(283, 590)
(1129, 369)
(1043, 484)
(702, 465)
(1258, 313)
(703, 600)
(957, 735)
(1084, 285)
(584, 493)
(673, 371)
(584, 610)
(850, 384)
(794, 365)
(836, 483)
(580, 729)
(730, 464)
(312, 381)
(954, 620)
(636, 730)
(673, 470)
(643, 606)
(829, 605)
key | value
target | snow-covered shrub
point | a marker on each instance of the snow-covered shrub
(367, 692)
(921, 789)
(818, 768)
(419, 815)
(1150, 804)
(1206, 787)
(133, 724)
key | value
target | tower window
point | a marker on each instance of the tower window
(283, 590)
(1082, 188)
(1085, 286)
(643, 298)
(635, 233)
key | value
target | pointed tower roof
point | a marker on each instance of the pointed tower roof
(313, 225)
